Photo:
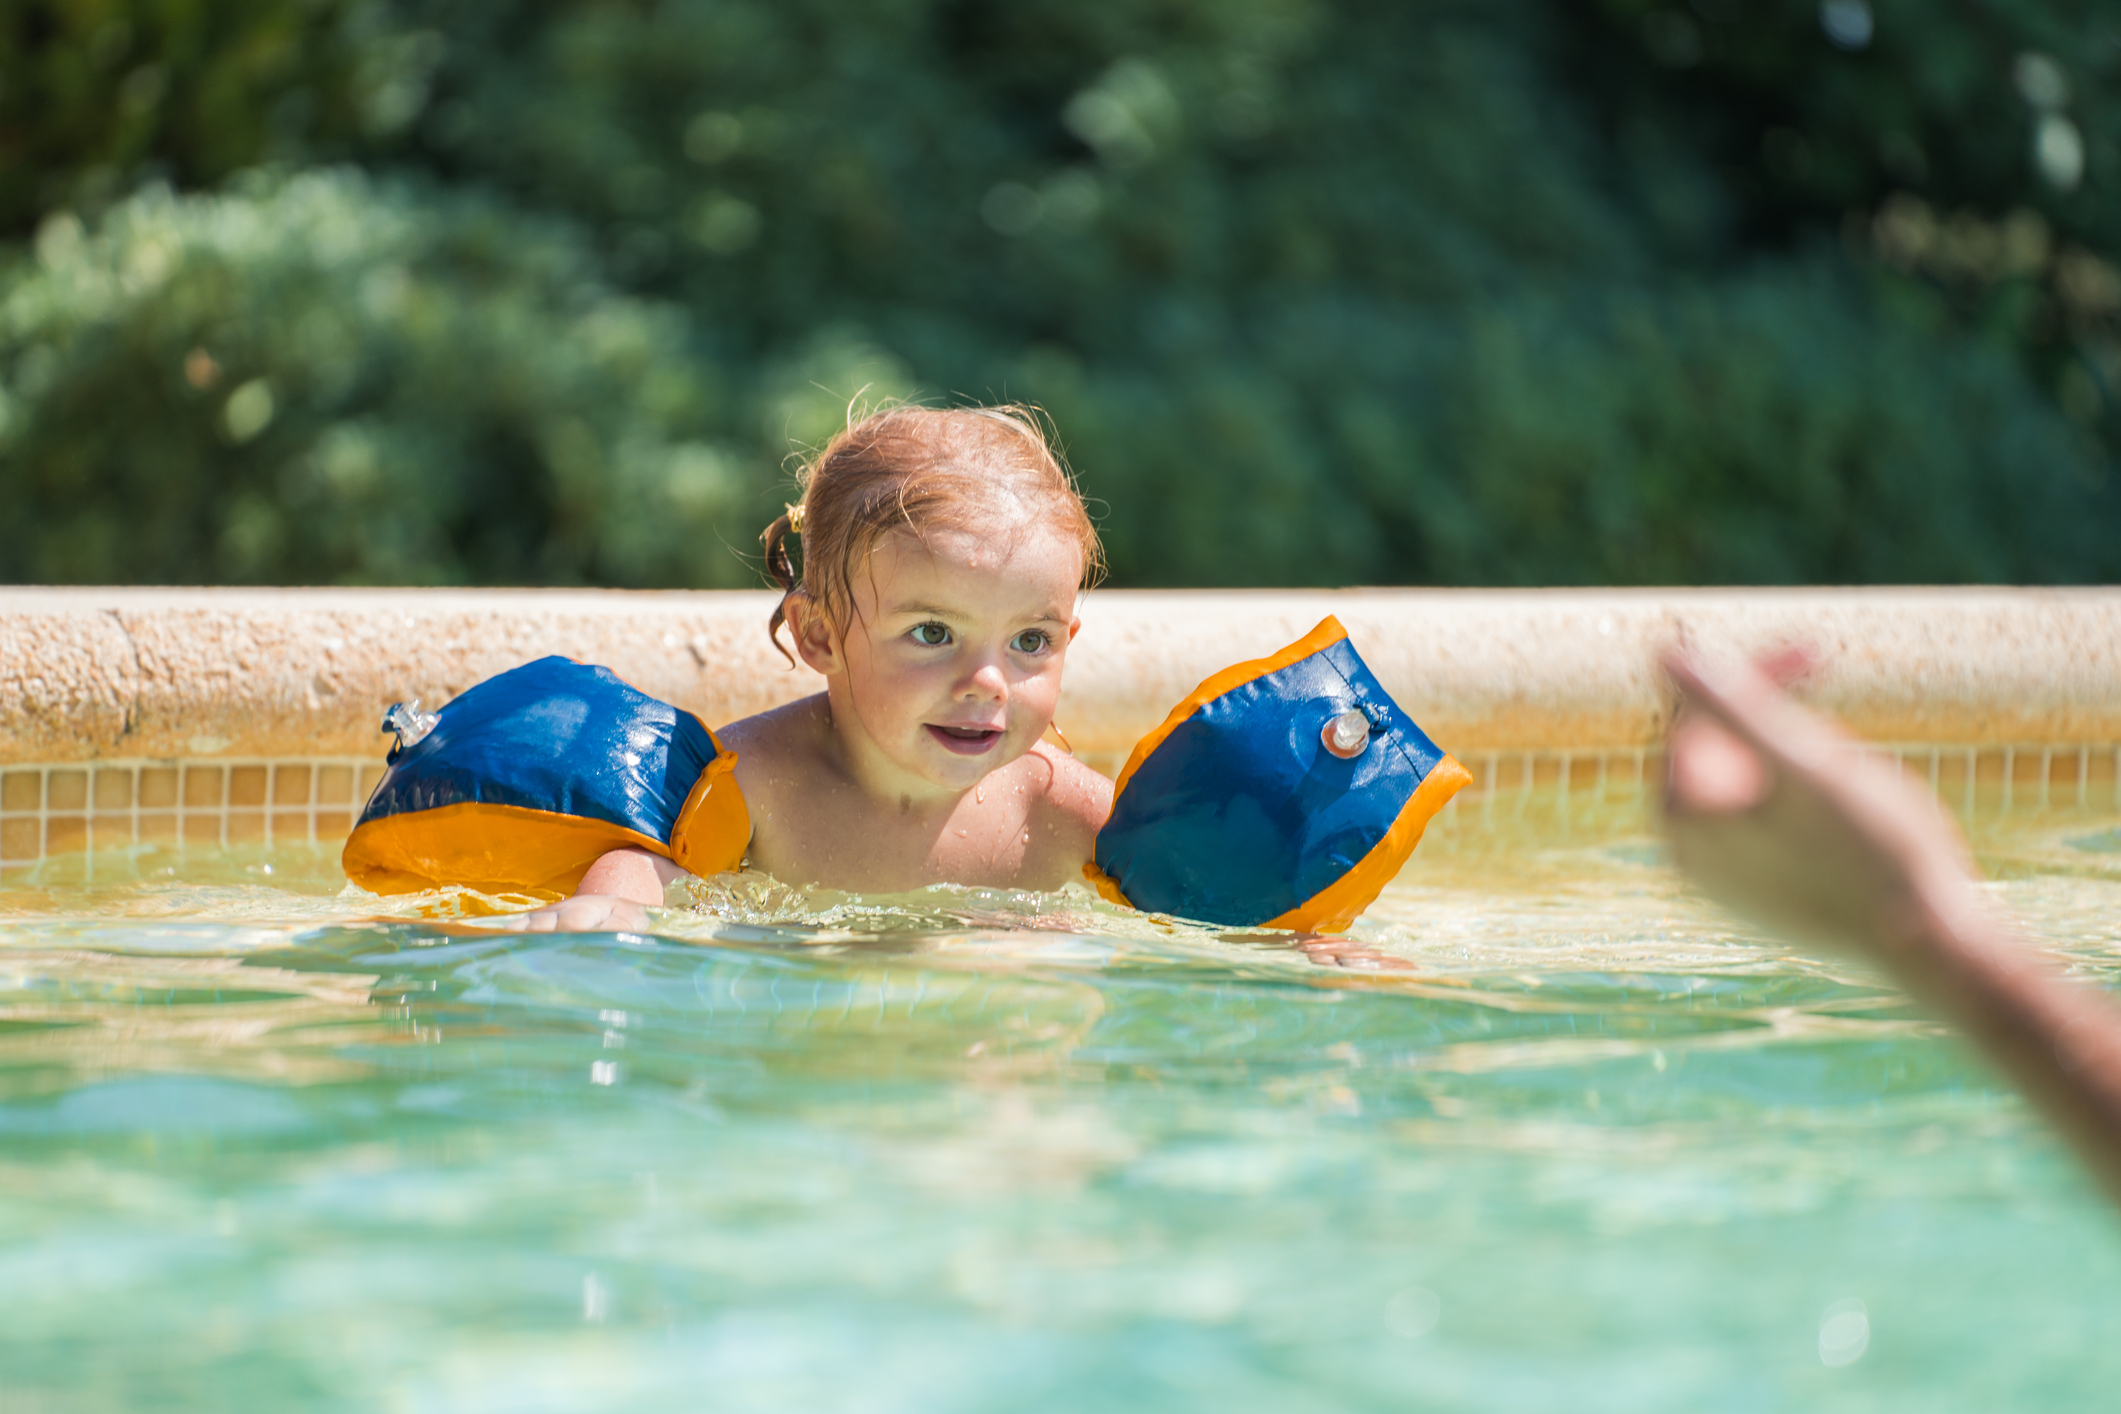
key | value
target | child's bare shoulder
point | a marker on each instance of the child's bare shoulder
(776, 731)
(777, 749)
(1072, 790)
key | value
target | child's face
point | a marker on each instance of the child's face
(952, 666)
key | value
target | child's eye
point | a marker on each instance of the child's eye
(931, 635)
(1032, 640)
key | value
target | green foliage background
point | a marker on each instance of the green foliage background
(1382, 291)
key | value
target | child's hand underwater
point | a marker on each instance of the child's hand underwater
(584, 913)
(1328, 951)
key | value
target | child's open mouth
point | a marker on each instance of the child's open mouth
(965, 741)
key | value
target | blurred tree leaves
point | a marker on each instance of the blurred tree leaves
(1975, 148)
(98, 95)
(1373, 292)
(327, 377)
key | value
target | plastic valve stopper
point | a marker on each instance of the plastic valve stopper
(1347, 734)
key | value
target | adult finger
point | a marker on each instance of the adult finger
(1745, 703)
(1711, 771)
(1787, 664)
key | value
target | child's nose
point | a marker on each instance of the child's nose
(987, 680)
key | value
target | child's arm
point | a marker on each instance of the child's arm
(631, 874)
(610, 896)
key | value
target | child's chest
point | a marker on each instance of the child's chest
(831, 835)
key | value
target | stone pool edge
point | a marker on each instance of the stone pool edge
(91, 674)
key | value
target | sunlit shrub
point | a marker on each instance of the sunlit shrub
(1372, 292)
(331, 378)
(1769, 428)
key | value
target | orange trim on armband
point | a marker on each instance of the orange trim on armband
(1327, 633)
(1106, 885)
(483, 846)
(712, 833)
(1338, 904)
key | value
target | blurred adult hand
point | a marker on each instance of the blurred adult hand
(1770, 811)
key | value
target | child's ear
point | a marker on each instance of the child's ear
(1075, 626)
(815, 642)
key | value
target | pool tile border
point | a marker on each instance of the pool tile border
(49, 810)
(54, 810)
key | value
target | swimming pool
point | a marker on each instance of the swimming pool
(268, 1144)
(271, 1145)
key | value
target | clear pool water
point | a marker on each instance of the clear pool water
(265, 1145)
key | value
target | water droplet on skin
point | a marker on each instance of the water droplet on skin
(979, 795)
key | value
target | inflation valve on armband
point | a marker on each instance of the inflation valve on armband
(410, 723)
(1345, 736)
(1282, 793)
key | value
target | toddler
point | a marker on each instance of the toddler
(942, 553)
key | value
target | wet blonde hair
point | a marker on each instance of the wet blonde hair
(916, 469)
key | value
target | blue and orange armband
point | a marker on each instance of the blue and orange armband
(526, 779)
(1282, 793)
